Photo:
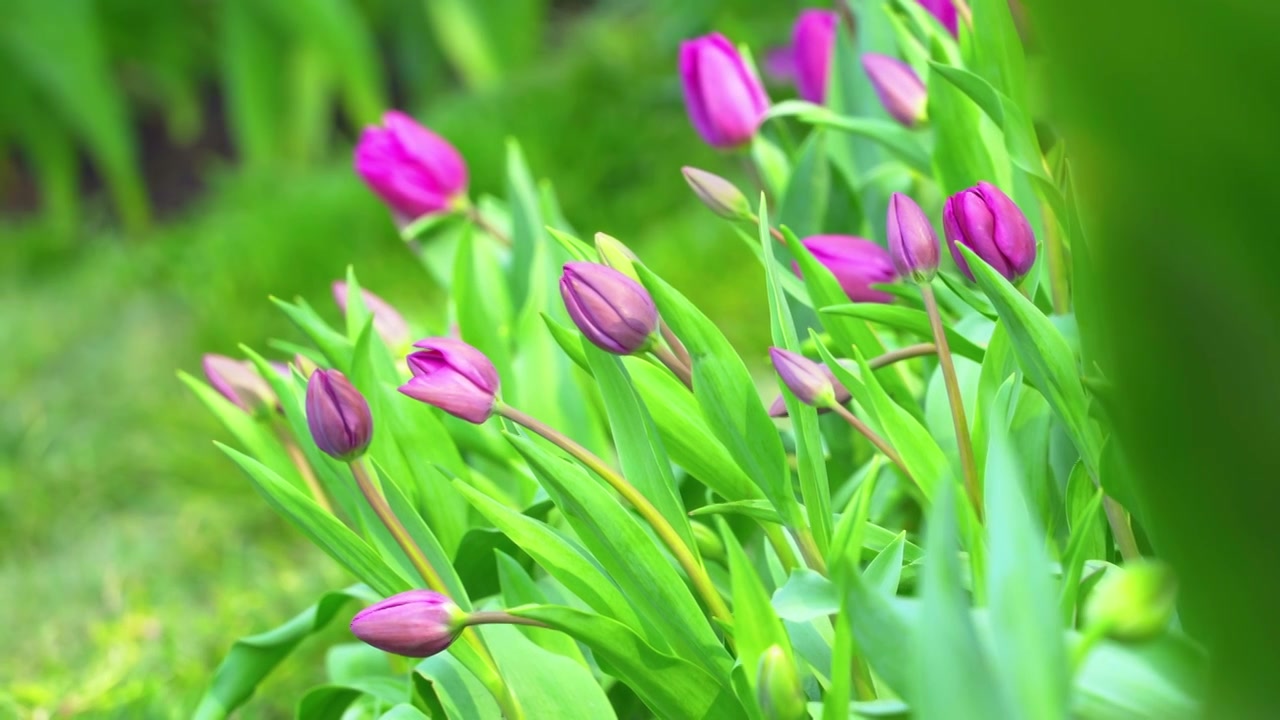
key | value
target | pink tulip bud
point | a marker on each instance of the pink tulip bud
(413, 170)
(897, 86)
(990, 224)
(454, 377)
(725, 100)
(416, 623)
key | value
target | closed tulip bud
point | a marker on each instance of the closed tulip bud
(945, 12)
(305, 365)
(1134, 602)
(857, 264)
(710, 546)
(453, 376)
(616, 255)
(913, 244)
(613, 311)
(387, 321)
(811, 383)
(778, 687)
(778, 408)
(812, 42)
(988, 222)
(721, 196)
(239, 382)
(413, 170)
(897, 86)
(338, 415)
(417, 624)
(725, 99)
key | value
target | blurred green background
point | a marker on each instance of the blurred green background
(164, 167)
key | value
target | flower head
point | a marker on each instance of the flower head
(239, 382)
(338, 415)
(811, 383)
(453, 376)
(990, 224)
(417, 623)
(725, 100)
(897, 86)
(857, 264)
(387, 321)
(413, 170)
(812, 43)
(721, 196)
(913, 244)
(615, 312)
(945, 11)
(778, 408)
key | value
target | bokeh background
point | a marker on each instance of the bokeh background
(165, 166)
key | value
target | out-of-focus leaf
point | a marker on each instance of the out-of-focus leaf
(1088, 540)
(336, 347)
(460, 31)
(900, 141)
(881, 633)
(405, 711)
(1163, 678)
(961, 156)
(252, 658)
(996, 47)
(483, 306)
(806, 596)
(804, 203)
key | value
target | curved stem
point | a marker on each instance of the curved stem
(473, 215)
(809, 550)
(904, 353)
(304, 468)
(694, 569)
(967, 462)
(673, 364)
(880, 443)
(499, 617)
(775, 232)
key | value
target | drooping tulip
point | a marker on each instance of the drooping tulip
(913, 244)
(898, 87)
(453, 376)
(416, 623)
(613, 311)
(812, 45)
(725, 99)
(338, 415)
(415, 171)
(857, 264)
(989, 223)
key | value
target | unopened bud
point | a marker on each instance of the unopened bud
(616, 255)
(1134, 602)
(721, 196)
(778, 687)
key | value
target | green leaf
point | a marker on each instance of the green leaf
(545, 684)
(335, 346)
(1164, 678)
(880, 631)
(806, 596)
(630, 556)
(252, 658)
(727, 396)
(405, 711)
(526, 225)
(961, 155)
(909, 320)
(997, 48)
(885, 571)
(669, 686)
(1088, 539)
(518, 588)
(901, 142)
(425, 539)
(321, 527)
(756, 626)
(804, 204)
(481, 301)
(460, 692)
(576, 249)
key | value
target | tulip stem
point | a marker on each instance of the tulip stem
(499, 617)
(692, 567)
(676, 346)
(880, 443)
(775, 232)
(809, 550)
(968, 463)
(476, 218)
(781, 548)
(1118, 518)
(1056, 258)
(905, 353)
(304, 468)
(668, 358)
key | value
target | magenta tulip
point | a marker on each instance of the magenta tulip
(413, 170)
(725, 100)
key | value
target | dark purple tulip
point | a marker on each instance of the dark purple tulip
(453, 376)
(913, 244)
(725, 100)
(812, 42)
(387, 321)
(413, 170)
(856, 263)
(239, 382)
(615, 312)
(417, 623)
(945, 11)
(897, 86)
(811, 383)
(338, 415)
(721, 196)
(988, 222)
(778, 408)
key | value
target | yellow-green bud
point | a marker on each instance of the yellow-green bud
(778, 687)
(1134, 602)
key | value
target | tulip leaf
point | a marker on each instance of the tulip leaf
(630, 556)
(526, 225)
(728, 397)
(640, 451)
(909, 320)
(335, 346)
(902, 142)
(482, 304)
(880, 631)
(519, 588)
(461, 694)
(996, 47)
(670, 686)
(756, 626)
(546, 685)
(578, 250)
(425, 539)
(962, 156)
(1088, 539)
(405, 711)
(804, 204)
(1161, 678)
(252, 658)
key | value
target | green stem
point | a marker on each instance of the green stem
(477, 219)
(880, 443)
(781, 548)
(694, 569)
(904, 353)
(499, 617)
(668, 358)
(809, 550)
(968, 463)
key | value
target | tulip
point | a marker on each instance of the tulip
(416, 623)
(1134, 602)
(778, 687)
(988, 222)
(721, 196)
(413, 170)
(725, 100)
(615, 312)
(897, 86)
(239, 382)
(338, 415)
(387, 321)
(810, 382)
(454, 377)
(616, 255)
(913, 244)
(945, 11)
(812, 42)
(856, 263)
(778, 408)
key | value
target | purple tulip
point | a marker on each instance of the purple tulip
(913, 244)
(810, 382)
(812, 42)
(897, 86)
(615, 312)
(778, 408)
(856, 263)
(780, 63)
(338, 415)
(945, 11)
(413, 170)
(721, 196)
(239, 382)
(988, 222)
(454, 377)
(725, 99)
(417, 623)
(387, 321)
